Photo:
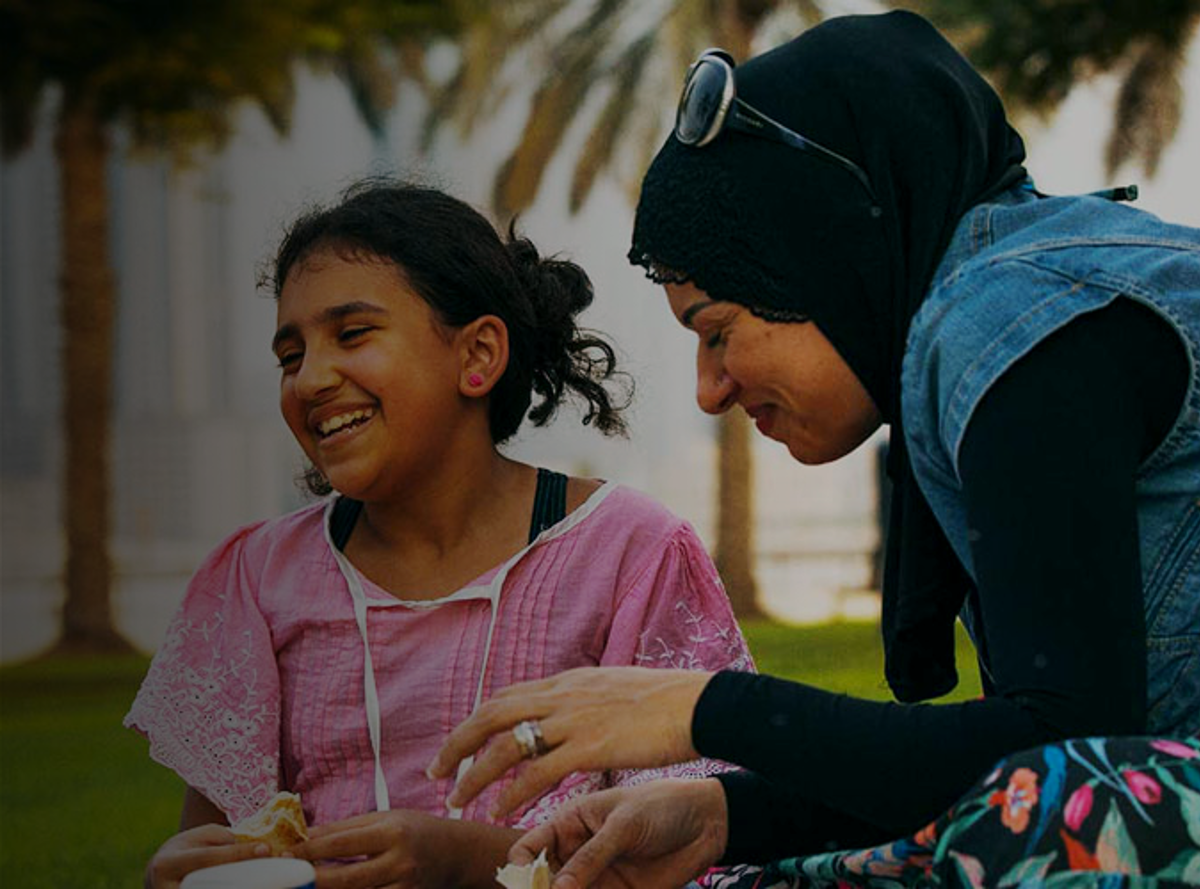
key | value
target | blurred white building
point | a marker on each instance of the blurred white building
(198, 445)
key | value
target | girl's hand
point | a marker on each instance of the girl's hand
(657, 835)
(189, 850)
(591, 718)
(405, 849)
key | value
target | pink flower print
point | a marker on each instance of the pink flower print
(1017, 800)
(1079, 806)
(1145, 788)
(1175, 748)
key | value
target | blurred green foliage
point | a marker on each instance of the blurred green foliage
(173, 72)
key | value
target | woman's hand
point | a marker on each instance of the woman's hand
(657, 835)
(189, 850)
(405, 849)
(591, 718)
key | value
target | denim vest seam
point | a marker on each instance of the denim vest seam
(972, 236)
(1172, 565)
(1162, 716)
(1188, 418)
(1172, 644)
(1055, 244)
(982, 229)
(1117, 286)
(964, 399)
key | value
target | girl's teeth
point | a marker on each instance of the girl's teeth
(334, 424)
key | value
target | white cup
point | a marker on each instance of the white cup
(256, 873)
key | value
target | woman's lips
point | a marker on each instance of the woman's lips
(763, 417)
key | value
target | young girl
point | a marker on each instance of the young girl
(330, 651)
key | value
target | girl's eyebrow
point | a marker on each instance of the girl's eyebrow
(691, 311)
(333, 313)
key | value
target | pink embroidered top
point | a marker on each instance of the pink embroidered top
(263, 680)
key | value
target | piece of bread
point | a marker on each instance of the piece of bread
(280, 824)
(535, 875)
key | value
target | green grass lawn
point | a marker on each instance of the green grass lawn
(846, 656)
(81, 804)
(83, 807)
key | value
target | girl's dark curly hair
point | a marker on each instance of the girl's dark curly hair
(456, 261)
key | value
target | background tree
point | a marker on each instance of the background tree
(1034, 51)
(171, 74)
(1037, 51)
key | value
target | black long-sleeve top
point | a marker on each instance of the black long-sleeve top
(1048, 467)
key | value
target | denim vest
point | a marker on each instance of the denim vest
(1015, 271)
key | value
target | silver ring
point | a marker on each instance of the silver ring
(528, 735)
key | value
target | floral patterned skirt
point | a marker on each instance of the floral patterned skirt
(1102, 812)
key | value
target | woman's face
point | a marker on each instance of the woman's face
(786, 376)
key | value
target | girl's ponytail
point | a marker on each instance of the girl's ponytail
(564, 359)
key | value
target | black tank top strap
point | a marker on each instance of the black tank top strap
(549, 502)
(341, 523)
(549, 508)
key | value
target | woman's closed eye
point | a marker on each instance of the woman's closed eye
(714, 328)
(712, 334)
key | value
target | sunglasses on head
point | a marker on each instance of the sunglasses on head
(709, 104)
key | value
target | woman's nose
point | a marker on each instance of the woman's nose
(715, 389)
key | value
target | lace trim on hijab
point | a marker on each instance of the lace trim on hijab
(661, 273)
(778, 316)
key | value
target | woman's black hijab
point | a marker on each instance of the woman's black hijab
(786, 232)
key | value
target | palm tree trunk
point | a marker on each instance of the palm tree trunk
(735, 514)
(87, 317)
(735, 550)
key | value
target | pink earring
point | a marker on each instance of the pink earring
(475, 380)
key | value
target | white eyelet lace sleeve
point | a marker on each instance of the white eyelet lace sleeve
(210, 702)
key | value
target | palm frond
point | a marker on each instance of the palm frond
(276, 98)
(610, 124)
(484, 47)
(371, 82)
(553, 109)
(737, 21)
(573, 71)
(1148, 109)
(411, 58)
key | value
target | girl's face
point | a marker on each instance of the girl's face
(370, 380)
(787, 377)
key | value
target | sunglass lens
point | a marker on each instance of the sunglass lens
(700, 104)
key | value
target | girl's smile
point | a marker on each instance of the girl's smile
(343, 424)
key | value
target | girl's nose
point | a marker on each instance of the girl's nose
(316, 374)
(715, 389)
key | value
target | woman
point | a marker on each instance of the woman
(1035, 360)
